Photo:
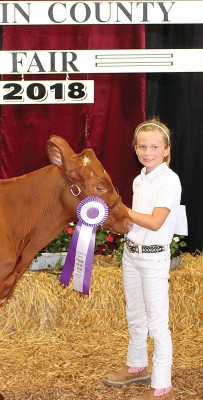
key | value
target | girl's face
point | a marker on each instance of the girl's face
(150, 149)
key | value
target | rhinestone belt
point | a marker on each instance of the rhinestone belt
(135, 248)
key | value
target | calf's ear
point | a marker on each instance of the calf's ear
(58, 150)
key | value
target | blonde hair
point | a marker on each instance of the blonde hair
(152, 125)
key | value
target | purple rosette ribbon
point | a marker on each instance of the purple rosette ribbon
(91, 212)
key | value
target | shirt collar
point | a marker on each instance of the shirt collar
(156, 172)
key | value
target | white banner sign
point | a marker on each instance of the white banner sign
(46, 92)
(100, 61)
(100, 12)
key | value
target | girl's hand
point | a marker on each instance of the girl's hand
(152, 221)
(130, 212)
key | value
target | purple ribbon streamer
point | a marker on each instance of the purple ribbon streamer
(70, 258)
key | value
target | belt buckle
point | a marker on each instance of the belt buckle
(132, 248)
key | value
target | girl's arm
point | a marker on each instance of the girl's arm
(153, 221)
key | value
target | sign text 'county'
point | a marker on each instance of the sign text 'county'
(100, 12)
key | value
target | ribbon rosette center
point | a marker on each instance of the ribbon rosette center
(92, 213)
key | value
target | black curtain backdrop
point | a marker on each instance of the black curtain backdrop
(177, 98)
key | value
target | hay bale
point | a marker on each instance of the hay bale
(186, 294)
(40, 302)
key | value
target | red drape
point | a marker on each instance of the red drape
(106, 126)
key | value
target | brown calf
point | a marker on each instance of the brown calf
(34, 208)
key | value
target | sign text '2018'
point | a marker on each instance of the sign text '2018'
(48, 92)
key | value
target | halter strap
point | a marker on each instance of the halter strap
(115, 203)
(76, 191)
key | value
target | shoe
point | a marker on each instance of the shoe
(125, 378)
(149, 395)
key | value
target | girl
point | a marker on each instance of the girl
(146, 263)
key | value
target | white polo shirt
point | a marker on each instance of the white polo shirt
(159, 188)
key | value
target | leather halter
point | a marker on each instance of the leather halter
(76, 191)
(115, 203)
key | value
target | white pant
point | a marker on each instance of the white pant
(145, 279)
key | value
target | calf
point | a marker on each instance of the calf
(34, 208)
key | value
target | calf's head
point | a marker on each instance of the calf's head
(85, 176)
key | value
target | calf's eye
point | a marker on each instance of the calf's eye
(101, 189)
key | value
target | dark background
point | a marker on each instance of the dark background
(178, 99)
